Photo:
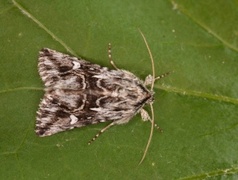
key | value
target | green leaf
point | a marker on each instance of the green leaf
(196, 106)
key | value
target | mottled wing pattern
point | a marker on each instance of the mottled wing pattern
(78, 93)
(62, 71)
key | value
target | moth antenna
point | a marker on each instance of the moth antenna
(151, 58)
(151, 134)
(100, 132)
(110, 56)
(151, 104)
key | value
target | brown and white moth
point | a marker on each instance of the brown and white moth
(79, 93)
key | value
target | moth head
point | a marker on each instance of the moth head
(149, 81)
(150, 97)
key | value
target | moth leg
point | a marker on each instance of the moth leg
(110, 57)
(145, 117)
(100, 132)
(148, 80)
(162, 76)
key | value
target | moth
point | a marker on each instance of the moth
(79, 93)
